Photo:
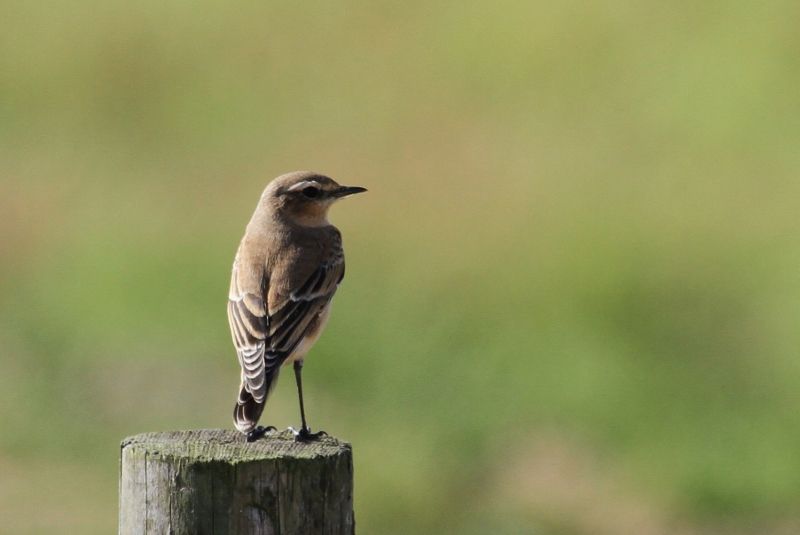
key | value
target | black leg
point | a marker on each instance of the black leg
(298, 370)
(305, 433)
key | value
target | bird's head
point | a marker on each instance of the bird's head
(304, 197)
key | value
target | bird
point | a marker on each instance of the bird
(287, 268)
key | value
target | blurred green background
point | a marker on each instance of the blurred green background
(573, 289)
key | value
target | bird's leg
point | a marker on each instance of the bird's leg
(259, 432)
(305, 434)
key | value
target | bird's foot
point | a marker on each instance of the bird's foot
(259, 432)
(305, 434)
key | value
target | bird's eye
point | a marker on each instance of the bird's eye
(311, 192)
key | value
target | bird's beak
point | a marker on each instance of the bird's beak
(344, 191)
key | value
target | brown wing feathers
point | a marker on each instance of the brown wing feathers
(264, 341)
(289, 324)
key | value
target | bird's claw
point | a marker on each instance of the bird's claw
(305, 434)
(259, 432)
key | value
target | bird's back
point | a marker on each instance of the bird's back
(281, 287)
(303, 253)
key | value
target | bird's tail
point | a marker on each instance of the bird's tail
(247, 411)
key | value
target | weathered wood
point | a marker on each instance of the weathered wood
(213, 482)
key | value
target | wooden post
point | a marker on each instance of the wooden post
(213, 482)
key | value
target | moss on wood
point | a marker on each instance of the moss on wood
(212, 481)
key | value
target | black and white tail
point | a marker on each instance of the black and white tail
(247, 411)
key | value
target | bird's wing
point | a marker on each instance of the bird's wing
(312, 281)
(268, 320)
(249, 323)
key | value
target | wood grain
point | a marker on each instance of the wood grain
(213, 482)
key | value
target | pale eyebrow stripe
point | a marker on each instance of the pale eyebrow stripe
(305, 184)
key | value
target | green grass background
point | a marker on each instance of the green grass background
(573, 288)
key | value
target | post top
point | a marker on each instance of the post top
(229, 446)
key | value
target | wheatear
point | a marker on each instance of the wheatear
(285, 272)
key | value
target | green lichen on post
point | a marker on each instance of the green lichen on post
(212, 481)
